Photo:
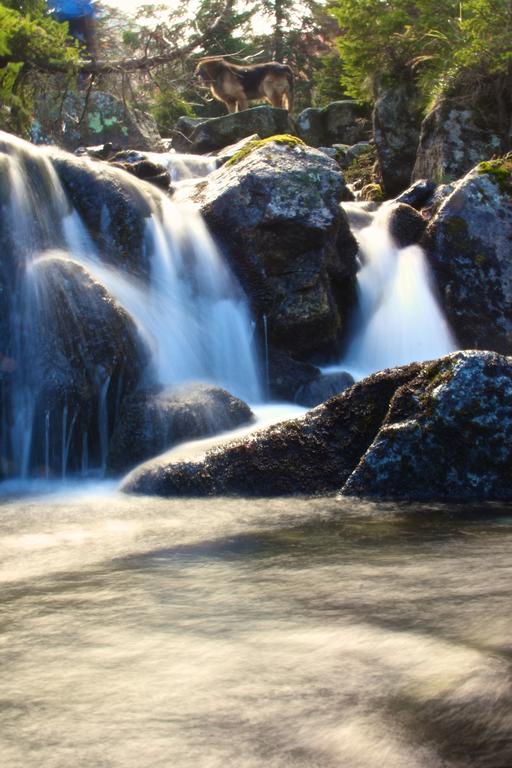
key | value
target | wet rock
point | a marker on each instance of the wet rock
(419, 195)
(275, 211)
(313, 454)
(287, 375)
(147, 171)
(210, 134)
(396, 125)
(84, 357)
(152, 422)
(447, 434)
(469, 242)
(113, 208)
(322, 388)
(341, 122)
(406, 225)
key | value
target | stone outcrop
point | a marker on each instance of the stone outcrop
(447, 434)
(313, 454)
(396, 126)
(98, 118)
(274, 209)
(214, 133)
(469, 246)
(152, 422)
(341, 122)
(406, 224)
(451, 143)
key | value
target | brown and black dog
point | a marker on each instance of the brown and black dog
(236, 85)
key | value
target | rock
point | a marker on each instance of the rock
(322, 388)
(152, 422)
(346, 154)
(447, 435)
(101, 119)
(419, 195)
(214, 133)
(287, 375)
(275, 212)
(469, 243)
(405, 224)
(451, 143)
(226, 153)
(396, 126)
(313, 454)
(84, 357)
(147, 171)
(113, 208)
(341, 122)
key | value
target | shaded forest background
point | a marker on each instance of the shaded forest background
(339, 49)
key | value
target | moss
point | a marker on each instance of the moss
(500, 170)
(373, 193)
(284, 138)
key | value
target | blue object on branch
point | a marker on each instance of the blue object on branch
(71, 9)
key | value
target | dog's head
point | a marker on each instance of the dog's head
(208, 69)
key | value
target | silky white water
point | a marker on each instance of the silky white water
(398, 319)
(190, 311)
(143, 633)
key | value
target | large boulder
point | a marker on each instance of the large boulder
(313, 454)
(83, 356)
(452, 142)
(210, 134)
(341, 122)
(396, 127)
(113, 207)
(274, 209)
(447, 435)
(469, 249)
(83, 119)
(152, 422)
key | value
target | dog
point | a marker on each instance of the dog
(236, 85)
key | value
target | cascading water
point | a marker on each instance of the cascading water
(189, 311)
(398, 319)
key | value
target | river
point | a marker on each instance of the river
(302, 633)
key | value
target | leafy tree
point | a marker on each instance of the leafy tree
(29, 40)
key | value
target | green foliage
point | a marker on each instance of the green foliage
(361, 169)
(327, 85)
(167, 107)
(29, 40)
(431, 41)
(500, 170)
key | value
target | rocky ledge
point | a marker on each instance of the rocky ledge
(437, 430)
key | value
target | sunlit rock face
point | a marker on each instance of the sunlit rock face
(210, 134)
(313, 454)
(275, 210)
(469, 244)
(447, 434)
(151, 422)
(341, 122)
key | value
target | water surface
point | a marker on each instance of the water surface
(144, 633)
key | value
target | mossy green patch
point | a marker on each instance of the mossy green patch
(283, 138)
(500, 170)
(372, 193)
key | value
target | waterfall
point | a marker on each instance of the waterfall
(186, 306)
(398, 319)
